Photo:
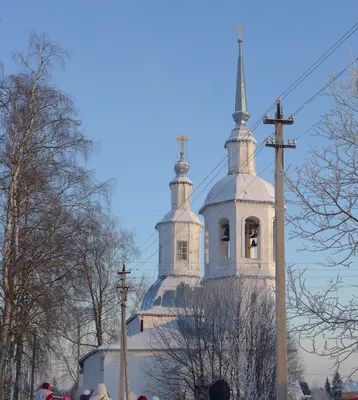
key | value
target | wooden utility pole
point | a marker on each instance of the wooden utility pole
(281, 332)
(124, 376)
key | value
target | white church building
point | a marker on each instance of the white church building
(238, 227)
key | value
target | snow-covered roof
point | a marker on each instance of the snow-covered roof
(147, 340)
(242, 133)
(159, 310)
(181, 215)
(350, 387)
(240, 187)
(164, 291)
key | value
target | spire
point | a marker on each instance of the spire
(182, 167)
(181, 185)
(241, 114)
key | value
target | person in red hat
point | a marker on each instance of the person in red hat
(45, 392)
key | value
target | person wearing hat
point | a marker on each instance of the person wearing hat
(45, 392)
(85, 395)
(100, 393)
(220, 390)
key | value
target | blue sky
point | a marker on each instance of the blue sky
(143, 72)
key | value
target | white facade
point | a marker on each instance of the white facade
(103, 366)
(239, 209)
(180, 229)
(237, 256)
(239, 239)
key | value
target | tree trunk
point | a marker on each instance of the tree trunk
(18, 360)
(6, 319)
(8, 386)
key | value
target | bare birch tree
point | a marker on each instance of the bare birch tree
(326, 188)
(44, 190)
(326, 185)
(226, 330)
(91, 310)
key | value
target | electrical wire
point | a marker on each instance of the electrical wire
(285, 94)
(312, 68)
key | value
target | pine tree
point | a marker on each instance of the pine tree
(337, 382)
(305, 388)
(327, 386)
(337, 385)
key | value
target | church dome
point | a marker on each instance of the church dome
(240, 187)
(169, 291)
(182, 167)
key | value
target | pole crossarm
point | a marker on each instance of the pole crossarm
(281, 146)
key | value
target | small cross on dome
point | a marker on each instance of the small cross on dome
(240, 28)
(182, 139)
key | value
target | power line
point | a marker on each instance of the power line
(312, 68)
(242, 165)
(285, 94)
(335, 77)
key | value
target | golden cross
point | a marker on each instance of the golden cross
(182, 139)
(240, 28)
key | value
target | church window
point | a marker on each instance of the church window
(182, 250)
(252, 238)
(206, 246)
(224, 238)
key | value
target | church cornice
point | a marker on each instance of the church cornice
(180, 183)
(242, 276)
(180, 222)
(239, 141)
(263, 202)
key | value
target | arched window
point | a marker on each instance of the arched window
(206, 246)
(252, 238)
(224, 238)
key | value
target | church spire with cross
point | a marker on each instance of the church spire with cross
(179, 240)
(181, 185)
(241, 145)
(241, 114)
(239, 209)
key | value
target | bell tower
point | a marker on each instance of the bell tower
(179, 242)
(239, 209)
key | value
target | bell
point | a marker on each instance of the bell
(226, 235)
(253, 244)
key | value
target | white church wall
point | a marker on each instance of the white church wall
(166, 248)
(236, 213)
(134, 326)
(264, 213)
(139, 379)
(169, 263)
(218, 266)
(93, 371)
(151, 321)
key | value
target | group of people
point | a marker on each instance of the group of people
(219, 390)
